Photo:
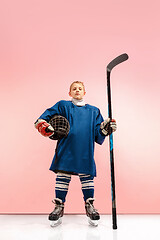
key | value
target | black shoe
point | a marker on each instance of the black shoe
(91, 212)
(57, 214)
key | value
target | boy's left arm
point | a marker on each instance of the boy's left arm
(99, 136)
(108, 126)
(104, 128)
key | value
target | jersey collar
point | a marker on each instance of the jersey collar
(77, 102)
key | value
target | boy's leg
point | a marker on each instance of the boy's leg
(87, 186)
(88, 195)
(61, 189)
(62, 184)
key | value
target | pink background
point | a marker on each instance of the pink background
(44, 46)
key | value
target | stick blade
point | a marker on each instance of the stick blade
(121, 58)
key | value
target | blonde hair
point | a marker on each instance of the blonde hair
(77, 82)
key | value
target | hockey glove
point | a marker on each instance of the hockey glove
(108, 126)
(44, 128)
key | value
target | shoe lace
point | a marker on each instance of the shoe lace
(58, 207)
(92, 208)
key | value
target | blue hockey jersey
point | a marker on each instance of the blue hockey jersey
(75, 153)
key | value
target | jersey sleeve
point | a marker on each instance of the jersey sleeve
(99, 137)
(50, 112)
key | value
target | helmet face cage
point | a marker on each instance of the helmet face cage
(61, 127)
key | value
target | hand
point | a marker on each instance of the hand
(44, 128)
(108, 126)
(113, 125)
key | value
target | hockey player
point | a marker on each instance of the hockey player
(75, 153)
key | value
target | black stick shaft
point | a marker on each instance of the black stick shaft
(114, 214)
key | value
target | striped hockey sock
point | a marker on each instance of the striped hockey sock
(87, 186)
(62, 184)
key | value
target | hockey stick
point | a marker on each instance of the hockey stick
(110, 66)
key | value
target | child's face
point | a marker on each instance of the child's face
(77, 91)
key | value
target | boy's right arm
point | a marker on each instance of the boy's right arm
(42, 123)
(44, 128)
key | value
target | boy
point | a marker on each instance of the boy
(76, 151)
